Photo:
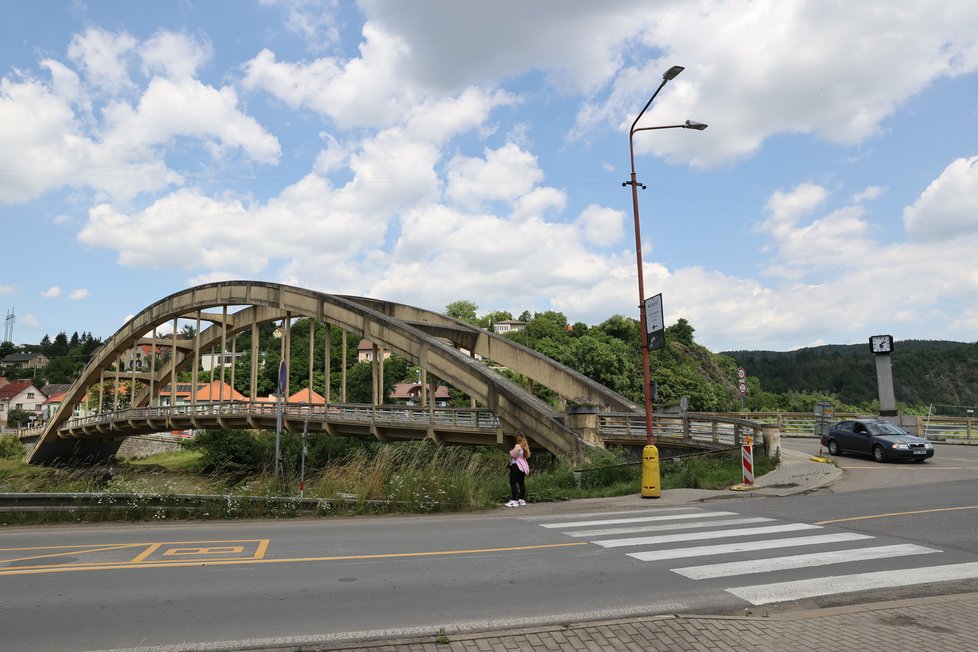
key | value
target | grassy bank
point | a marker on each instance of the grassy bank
(351, 477)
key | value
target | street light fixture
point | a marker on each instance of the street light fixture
(689, 124)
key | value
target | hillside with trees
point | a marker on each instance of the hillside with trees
(924, 372)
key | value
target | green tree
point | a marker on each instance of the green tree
(681, 331)
(18, 418)
(463, 309)
(606, 360)
(494, 317)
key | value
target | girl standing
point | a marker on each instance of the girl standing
(519, 468)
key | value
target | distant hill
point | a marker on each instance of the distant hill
(924, 371)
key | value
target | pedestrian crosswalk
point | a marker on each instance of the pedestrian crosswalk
(742, 552)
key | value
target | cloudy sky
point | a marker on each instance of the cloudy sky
(437, 150)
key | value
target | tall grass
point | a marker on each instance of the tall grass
(360, 477)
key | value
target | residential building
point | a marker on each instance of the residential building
(27, 360)
(508, 326)
(365, 351)
(211, 361)
(139, 356)
(20, 395)
(216, 391)
(410, 394)
(306, 395)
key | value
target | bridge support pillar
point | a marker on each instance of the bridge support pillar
(585, 424)
(772, 439)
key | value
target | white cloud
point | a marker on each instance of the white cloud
(363, 92)
(602, 227)
(176, 55)
(119, 150)
(51, 292)
(750, 81)
(868, 194)
(7, 289)
(188, 108)
(948, 208)
(313, 20)
(80, 293)
(102, 56)
(505, 174)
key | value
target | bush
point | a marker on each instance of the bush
(11, 448)
(606, 468)
(234, 452)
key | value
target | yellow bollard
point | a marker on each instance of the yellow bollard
(650, 472)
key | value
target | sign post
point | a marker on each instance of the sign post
(824, 412)
(741, 385)
(305, 447)
(283, 377)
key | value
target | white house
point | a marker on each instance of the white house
(508, 326)
(20, 395)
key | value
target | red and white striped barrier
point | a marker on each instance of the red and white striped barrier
(748, 458)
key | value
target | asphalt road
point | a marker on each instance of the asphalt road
(230, 585)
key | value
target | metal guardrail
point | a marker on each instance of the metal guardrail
(88, 502)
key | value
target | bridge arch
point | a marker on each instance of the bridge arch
(415, 334)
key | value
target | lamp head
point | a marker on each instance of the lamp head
(672, 72)
(692, 124)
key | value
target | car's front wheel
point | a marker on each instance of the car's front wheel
(834, 447)
(879, 454)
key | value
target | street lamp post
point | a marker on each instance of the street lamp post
(689, 124)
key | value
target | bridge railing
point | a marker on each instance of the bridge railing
(691, 428)
(388, 414)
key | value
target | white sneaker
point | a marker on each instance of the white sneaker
(512, 503)
(522, 502)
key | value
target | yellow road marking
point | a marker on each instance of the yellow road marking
(217, 550)
(30, 570)
(84, 550)
(919, 511)
(150, 549)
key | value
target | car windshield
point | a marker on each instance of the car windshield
(883, 428)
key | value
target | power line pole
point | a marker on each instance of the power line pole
(8, 327)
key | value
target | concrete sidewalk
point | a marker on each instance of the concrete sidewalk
(939, 623)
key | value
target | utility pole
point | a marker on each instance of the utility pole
(8, 327)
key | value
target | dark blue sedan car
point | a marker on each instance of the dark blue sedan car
(881, 439)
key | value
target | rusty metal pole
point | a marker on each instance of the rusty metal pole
(633, 182)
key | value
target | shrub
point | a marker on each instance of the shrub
(11, 448)
(235, 452)
(606, 468)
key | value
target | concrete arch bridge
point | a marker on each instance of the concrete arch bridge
(440, 346)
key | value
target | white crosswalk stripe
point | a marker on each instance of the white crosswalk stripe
(746, 546)
(771, 564)
(637, 519)
(784, 591)
(667, 537)
(699, 536)
(607, 532)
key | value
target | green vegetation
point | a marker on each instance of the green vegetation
(924, 372)
(347, 476)
(11, 448)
